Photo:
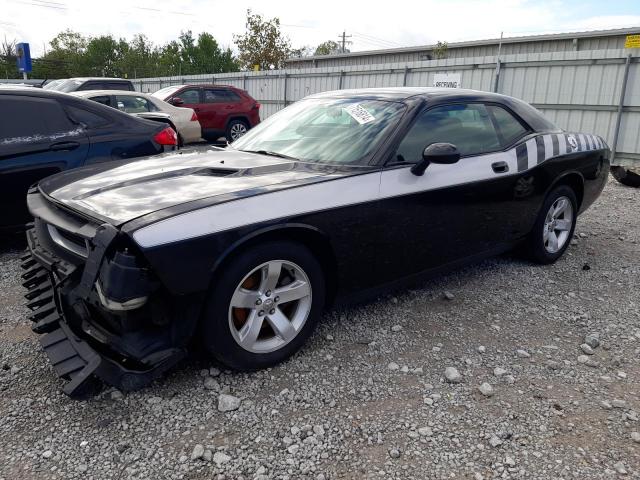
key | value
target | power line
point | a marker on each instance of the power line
(43, 4)
(377, 39)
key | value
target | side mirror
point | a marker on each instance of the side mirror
(444, 153)
(176, 101)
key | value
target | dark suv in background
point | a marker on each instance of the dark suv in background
(44, 132)
(223, 110)
(89, 83)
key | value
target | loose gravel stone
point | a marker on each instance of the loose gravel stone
(522, 353)
(198, 452)
(592, 339)
(586, 348)
(228, 403)
(499, 371)
(486, 389)
(220, 458)
(452, 375)
(635, 436)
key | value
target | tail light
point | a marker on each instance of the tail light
(256, 106)
(166, 137)
(194, 117)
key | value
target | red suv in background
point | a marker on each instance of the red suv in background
(222, 110)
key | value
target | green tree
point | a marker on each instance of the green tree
(327, 48)
(440, 50)
(263, 43)
(103, 56)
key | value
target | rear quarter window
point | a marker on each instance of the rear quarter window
(87, 118)
(32, 119)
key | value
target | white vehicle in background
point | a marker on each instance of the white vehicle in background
(183, 120)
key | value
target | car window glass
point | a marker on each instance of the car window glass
(33, 120)
(233, 96)
(91, 86)
(467, 126)
(103, 99)
(87, 118)
(189, 96)
(509, 128)
(131, 104)
(214, 96)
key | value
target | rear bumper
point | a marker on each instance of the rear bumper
(76, 335)
(190, 132)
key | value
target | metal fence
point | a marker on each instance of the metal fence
(595, 91)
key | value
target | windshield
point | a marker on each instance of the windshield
(52, 85)
(166, 91)
(70, 85)
(324, 130)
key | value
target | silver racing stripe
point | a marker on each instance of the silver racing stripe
(352, 190)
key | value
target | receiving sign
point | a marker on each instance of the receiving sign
(447, 80)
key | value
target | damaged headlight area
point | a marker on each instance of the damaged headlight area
(103, 313)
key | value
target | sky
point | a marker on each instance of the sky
(372, 24)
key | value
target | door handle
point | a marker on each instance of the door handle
(500, 167)
(64, 146)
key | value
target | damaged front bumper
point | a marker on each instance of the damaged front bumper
(99, 314)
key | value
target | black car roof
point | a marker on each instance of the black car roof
(33, 92)
(529, 114)
(403, 93)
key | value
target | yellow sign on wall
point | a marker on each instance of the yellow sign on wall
(632, 41)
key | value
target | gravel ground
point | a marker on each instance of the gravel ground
(479, 374)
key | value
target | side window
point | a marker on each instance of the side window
(233, 97)
(467, 126)
(509, 128)
(103, 99)
(214, 96)
(90, 86)
(189, 96)
(32, 120)
(87, 118)
(131, 104)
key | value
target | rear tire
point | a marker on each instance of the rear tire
(626, 176)
(236, 129)
(247, 324)
(554, 227)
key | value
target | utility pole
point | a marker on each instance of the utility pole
(343, 40)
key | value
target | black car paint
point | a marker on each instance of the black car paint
(407, 236)
(23, 164)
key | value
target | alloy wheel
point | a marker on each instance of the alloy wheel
(558, 224)
(270, 306)
(238, 130)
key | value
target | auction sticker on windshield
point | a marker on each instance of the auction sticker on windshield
(359, 114)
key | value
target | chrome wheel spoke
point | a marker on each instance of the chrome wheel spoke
(545, 235)
(281, 325)
(563, 225)
(270, 275)
(561, 206)
(553, 241)
(251, 329)
(294, 291)
(243, 298)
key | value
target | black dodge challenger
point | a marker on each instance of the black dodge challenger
(338, 196)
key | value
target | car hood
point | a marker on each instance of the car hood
(123, 192)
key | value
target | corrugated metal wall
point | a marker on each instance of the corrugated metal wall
(471, 49)
(578, 90)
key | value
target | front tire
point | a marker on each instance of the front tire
(554, 227)
(263, 305)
